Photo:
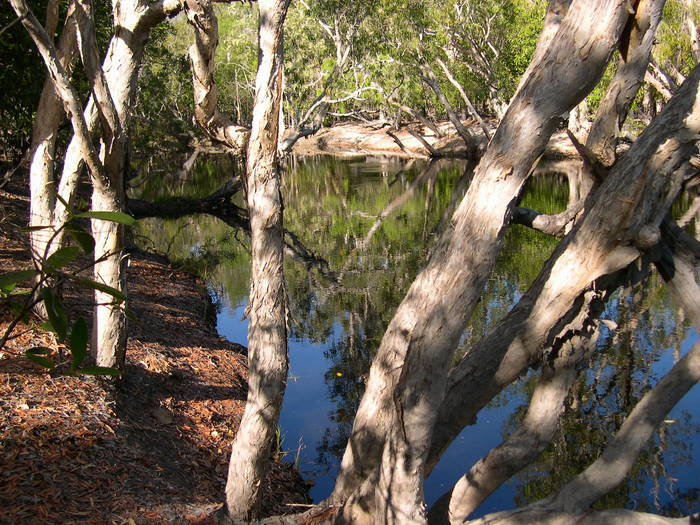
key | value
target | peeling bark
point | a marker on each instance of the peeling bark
(629, 77)
(49, 116)
(267, 310)
(133, 22)
(637, 193)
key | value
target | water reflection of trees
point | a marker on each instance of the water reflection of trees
(332, 205)
(620, 373)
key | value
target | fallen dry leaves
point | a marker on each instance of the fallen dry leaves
(152, 449)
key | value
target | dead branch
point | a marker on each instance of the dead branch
(556, 225)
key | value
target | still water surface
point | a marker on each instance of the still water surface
(373, 221)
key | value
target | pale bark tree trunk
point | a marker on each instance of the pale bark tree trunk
(612, 112)
(395, 420)
(267, 311)
(430, 79)
(73, 167)
(556, 12)
(63, 87)
(661, 149)
(133, 20)
(629, 77)
(201, 17)
(628, 201)
(472, 110)
(571, 503)
(578, 122)
(692, 30)
(113, 90)
(49, 115)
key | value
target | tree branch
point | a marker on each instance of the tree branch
(465, 98)
(200, 15)
(63, 87)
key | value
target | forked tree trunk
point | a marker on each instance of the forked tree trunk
(628, 206)
(394, 424)
(542, 419)
(267, 310)
(544, 309)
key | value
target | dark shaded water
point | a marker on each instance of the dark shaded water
(337, 323)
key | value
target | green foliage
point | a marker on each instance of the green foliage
(22, 72)
(44, 284)
(164, 101)
(522, 25)
(673, 46)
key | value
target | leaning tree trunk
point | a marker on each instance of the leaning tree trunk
(395, 420)
(267, 332)
(528, 327)
(622, 224)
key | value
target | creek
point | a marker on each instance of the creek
(373, 220)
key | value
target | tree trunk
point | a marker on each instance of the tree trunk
(133, 22)
(49, 116)
(472, 110)
(430, 79)
(267, 310)
(201, 17)
(394, 424)
(629, 204)
(629, 77)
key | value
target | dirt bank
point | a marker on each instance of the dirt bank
(152, 450)
(376, 138)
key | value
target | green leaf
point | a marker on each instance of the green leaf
(113, 216)
(46, 325)
(39, 360)
(63, 201)
(119, 296)
(54, 309)
(83, 238)
(78, 341)
(9, 281)
(99, 371)
(62, 257)
(35, 228)
(15, 293)
(38, 350)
